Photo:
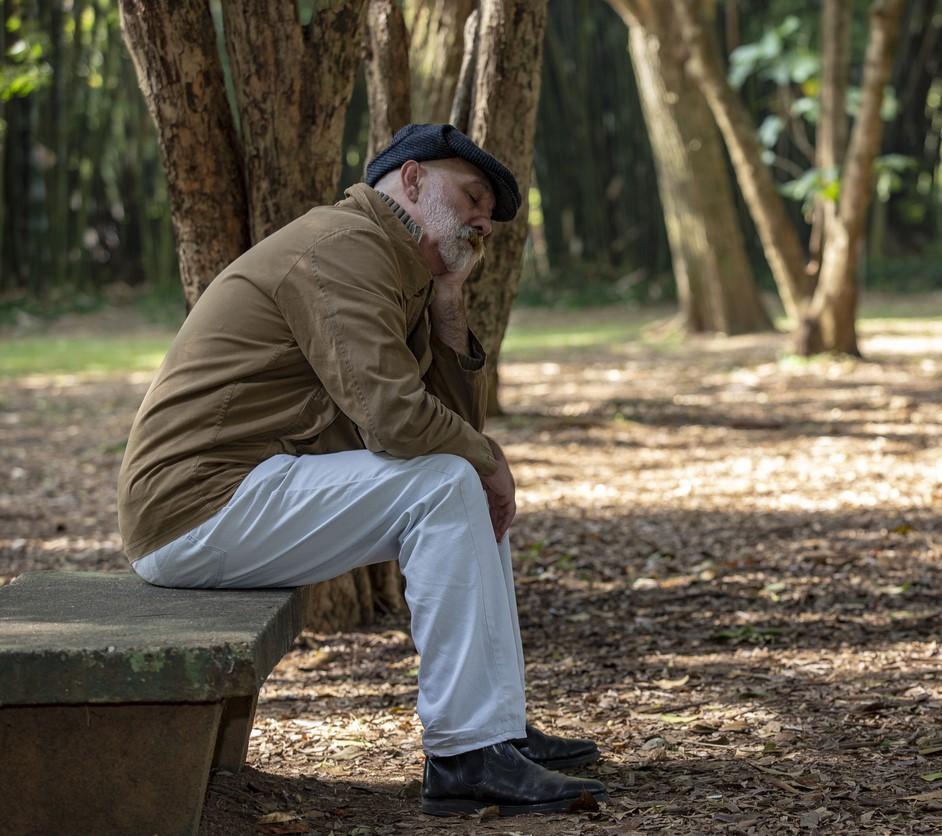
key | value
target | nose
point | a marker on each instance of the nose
(482, 225)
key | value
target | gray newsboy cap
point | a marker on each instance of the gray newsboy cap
(438, 142)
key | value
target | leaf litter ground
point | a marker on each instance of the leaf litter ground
(728, 567)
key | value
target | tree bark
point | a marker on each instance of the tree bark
(715, 284)
(174, 52)
(780, 243)
(829, 323)
(293, 83)
(503, 121)
(831, 139)
(436, 48)
(386, 55)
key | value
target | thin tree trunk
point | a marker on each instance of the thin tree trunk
(460, 114)
(503, 121)
(715, 284)
(436, 48)
(780, 242)
(293, 84)
(174, 52)
(5, 283)
(830, 322)
(386, 47)
(58, 239)
(831, 139)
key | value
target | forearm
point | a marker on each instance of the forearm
(448, 319)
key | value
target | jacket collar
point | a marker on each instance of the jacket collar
(374, 204)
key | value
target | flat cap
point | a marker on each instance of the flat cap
(439, 142)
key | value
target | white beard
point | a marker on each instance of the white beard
(455, 239)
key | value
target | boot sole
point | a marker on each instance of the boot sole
(469, 807)
(562, 764)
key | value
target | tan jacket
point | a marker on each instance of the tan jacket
(316, 340)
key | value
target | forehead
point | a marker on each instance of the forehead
(462, 172)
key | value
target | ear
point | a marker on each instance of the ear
(411, 174)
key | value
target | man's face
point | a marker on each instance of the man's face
(456, 202)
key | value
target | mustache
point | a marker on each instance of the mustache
(473, 237)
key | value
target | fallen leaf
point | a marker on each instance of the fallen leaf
(809, 818)
(278, 817)
(679, 719)
(932, 795)
(585, 803)
(491, 812)
(670, 684)
(931, 776)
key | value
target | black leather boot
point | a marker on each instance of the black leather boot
(499, 776)
(556, 752)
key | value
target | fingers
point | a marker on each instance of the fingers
(502, 515)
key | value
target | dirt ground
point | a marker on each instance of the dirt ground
(729, 564)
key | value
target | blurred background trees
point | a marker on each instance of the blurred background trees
(86, 208)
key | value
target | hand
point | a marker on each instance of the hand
(499, 488)
(452, 282)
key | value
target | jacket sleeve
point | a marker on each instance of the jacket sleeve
(343, 302)
(459, 380)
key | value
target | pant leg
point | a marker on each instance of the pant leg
(301, 520)
(508, 570)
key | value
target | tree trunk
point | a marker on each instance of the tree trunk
(503, 120)
(460, 114)
(829, 324)
(174, 52)
(436, 47)
(780, 242)
(831, 138)
(715, 285)
(5, 273)
(293, 83)
(386, 48)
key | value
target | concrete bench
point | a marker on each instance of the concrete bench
(117, 697)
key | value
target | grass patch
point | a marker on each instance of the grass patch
(532, 333)
(81, 355)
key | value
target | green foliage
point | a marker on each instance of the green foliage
(781, 55)
(813, 183)
(825, 182)
(888, 170)
(24, 69)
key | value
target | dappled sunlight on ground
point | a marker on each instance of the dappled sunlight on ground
(728, 561)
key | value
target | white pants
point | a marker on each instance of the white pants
(297, 520)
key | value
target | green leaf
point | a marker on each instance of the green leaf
(931, 776)
(889, 106)
(807, 107)
(803, 65)
(770, 129)
(789, 26)
(18, 48)
(743, 62)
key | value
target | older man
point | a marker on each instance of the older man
(321, 409)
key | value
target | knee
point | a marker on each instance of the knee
(456, 468)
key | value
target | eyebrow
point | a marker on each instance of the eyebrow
(490, 189)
